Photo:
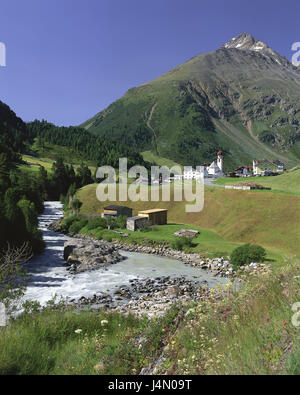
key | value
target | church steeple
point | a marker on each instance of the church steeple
(220, 160)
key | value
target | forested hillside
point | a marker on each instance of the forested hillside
(20, 199)
(98, 149)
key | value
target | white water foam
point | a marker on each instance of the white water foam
(48, 275)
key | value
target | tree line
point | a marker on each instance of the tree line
(100, 150)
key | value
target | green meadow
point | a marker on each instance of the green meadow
(288, 182)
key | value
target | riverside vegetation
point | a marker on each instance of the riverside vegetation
(248, 332)
(245, 332)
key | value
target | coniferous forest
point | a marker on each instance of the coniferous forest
(22, 193)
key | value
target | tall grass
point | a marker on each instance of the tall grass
(249, 332)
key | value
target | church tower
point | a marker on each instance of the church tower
(220, 160)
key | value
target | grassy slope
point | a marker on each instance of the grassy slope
(52, 151)
(157, 160)
(34, 163)
(249, 332)
(237, 216)
(287, 182)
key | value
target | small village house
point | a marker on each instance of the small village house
(155, 216)
(244, 171)
(137, 223)
(116, 211)
(266, 167)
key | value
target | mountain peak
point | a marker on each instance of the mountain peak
(245, 42)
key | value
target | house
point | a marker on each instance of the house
(155, 216)
(137, 223)
(192, 174)
(267, 167)
(116, 211)
(280, 166)
(244, 171)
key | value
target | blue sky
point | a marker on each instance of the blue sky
(69, 59)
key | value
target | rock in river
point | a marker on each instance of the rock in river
(82, 255)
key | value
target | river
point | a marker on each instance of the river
(48, 275)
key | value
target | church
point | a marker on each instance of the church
(214, 170)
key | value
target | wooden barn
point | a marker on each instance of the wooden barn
(116, 211)
(155, 216)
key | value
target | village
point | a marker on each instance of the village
(263, 168)
(157, 216)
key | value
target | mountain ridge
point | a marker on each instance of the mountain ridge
(242, 99)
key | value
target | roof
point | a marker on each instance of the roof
(155, 210)
(213, 166)
(115, 208)
(272, 161)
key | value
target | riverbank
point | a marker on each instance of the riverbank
(250, 332)
(91, 272)
(220, 266)
(150, 297)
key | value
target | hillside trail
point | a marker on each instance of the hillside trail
(148, 123)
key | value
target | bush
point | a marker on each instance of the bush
(96, 223)
(67, 222)
(246, 254)
(78, 225)
(107, 237)
(181, 242)
(151, 228)
(121, 222)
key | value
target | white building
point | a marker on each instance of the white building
(216, 169)
(192, 174)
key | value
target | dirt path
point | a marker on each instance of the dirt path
(148, 123)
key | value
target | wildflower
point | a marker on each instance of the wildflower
(104, 322)
(78, 331)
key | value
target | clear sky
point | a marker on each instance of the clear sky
(68, 59)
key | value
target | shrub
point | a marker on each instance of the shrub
(107, 237)
(67, 222)
(181, 242)
(121, 222)
(77, 225)
(151, 228)
(96, 223)
(246, 254)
